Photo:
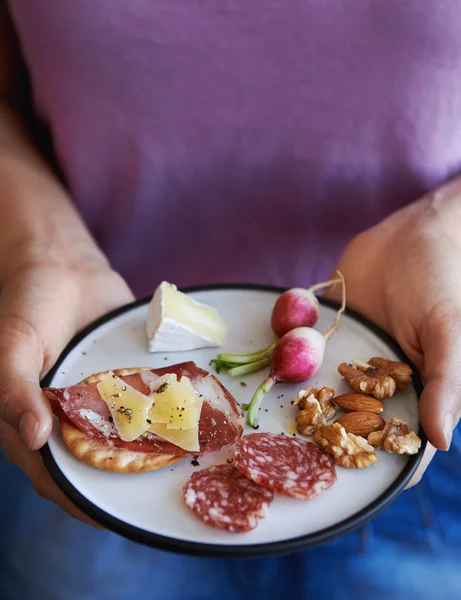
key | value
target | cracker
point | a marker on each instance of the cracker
(118, 460)
(97, 377)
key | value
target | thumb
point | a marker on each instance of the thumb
(39, 313)
(440, 404)
(22, 403)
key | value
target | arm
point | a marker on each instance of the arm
(53, 278)
(38, 229)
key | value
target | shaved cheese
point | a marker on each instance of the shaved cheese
(128, 407)
(176, 403)
(183, 438)
(172, 411)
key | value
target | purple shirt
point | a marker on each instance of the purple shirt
(228, 140)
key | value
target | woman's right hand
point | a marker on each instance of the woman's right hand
(42, 306)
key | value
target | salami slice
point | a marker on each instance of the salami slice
(221, 420)
(285, 464)
(224, 498)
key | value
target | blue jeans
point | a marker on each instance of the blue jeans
(412, 550)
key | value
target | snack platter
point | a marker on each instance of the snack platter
(169, 507)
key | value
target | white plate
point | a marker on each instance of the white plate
(149, 507)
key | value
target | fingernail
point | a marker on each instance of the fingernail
(448, 425)
(28, 426)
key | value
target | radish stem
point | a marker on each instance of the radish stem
(257, 398)
(249, 368)
(327, 335)
(325, 284)
(244, 359)
(221, 364)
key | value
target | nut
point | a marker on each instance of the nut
(309, 419)
(361, 423)
(400, 372)
(316, 408)
(348, 450)
(396, 437)
(361, 402)
(365, 379)
(325, 396)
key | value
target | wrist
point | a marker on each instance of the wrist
(80, 252)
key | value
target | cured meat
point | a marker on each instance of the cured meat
(285, 464)
(224, 498)
(221, 421)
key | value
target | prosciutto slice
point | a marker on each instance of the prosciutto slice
(221, 420)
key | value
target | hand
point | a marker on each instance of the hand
(41, 307)
(405, 275)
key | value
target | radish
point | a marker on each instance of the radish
(294, 308)
(297, 357)
(297, 307)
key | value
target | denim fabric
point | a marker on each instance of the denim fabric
(411, 551)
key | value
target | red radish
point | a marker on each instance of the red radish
(297, 307)
(297, 356)
(294, 308)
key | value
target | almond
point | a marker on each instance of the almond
(361, 423)
(359, 402)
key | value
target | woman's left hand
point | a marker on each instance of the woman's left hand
(405, 275)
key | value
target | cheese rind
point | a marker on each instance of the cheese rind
(176, 322)
(128, 407)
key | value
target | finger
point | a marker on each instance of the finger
(22, 404)
(38, 315)
(31, 464)
(440, 404)
(32, 310)
(425, 461)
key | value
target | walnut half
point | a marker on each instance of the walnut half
(400, 372)
(364, 379)
(348, 450)
(316, 407)
(396, 437)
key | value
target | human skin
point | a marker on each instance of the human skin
(54, 280)
(405, 275)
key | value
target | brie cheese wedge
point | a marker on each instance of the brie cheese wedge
(176, 322)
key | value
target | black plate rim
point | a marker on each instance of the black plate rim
(199, 549)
